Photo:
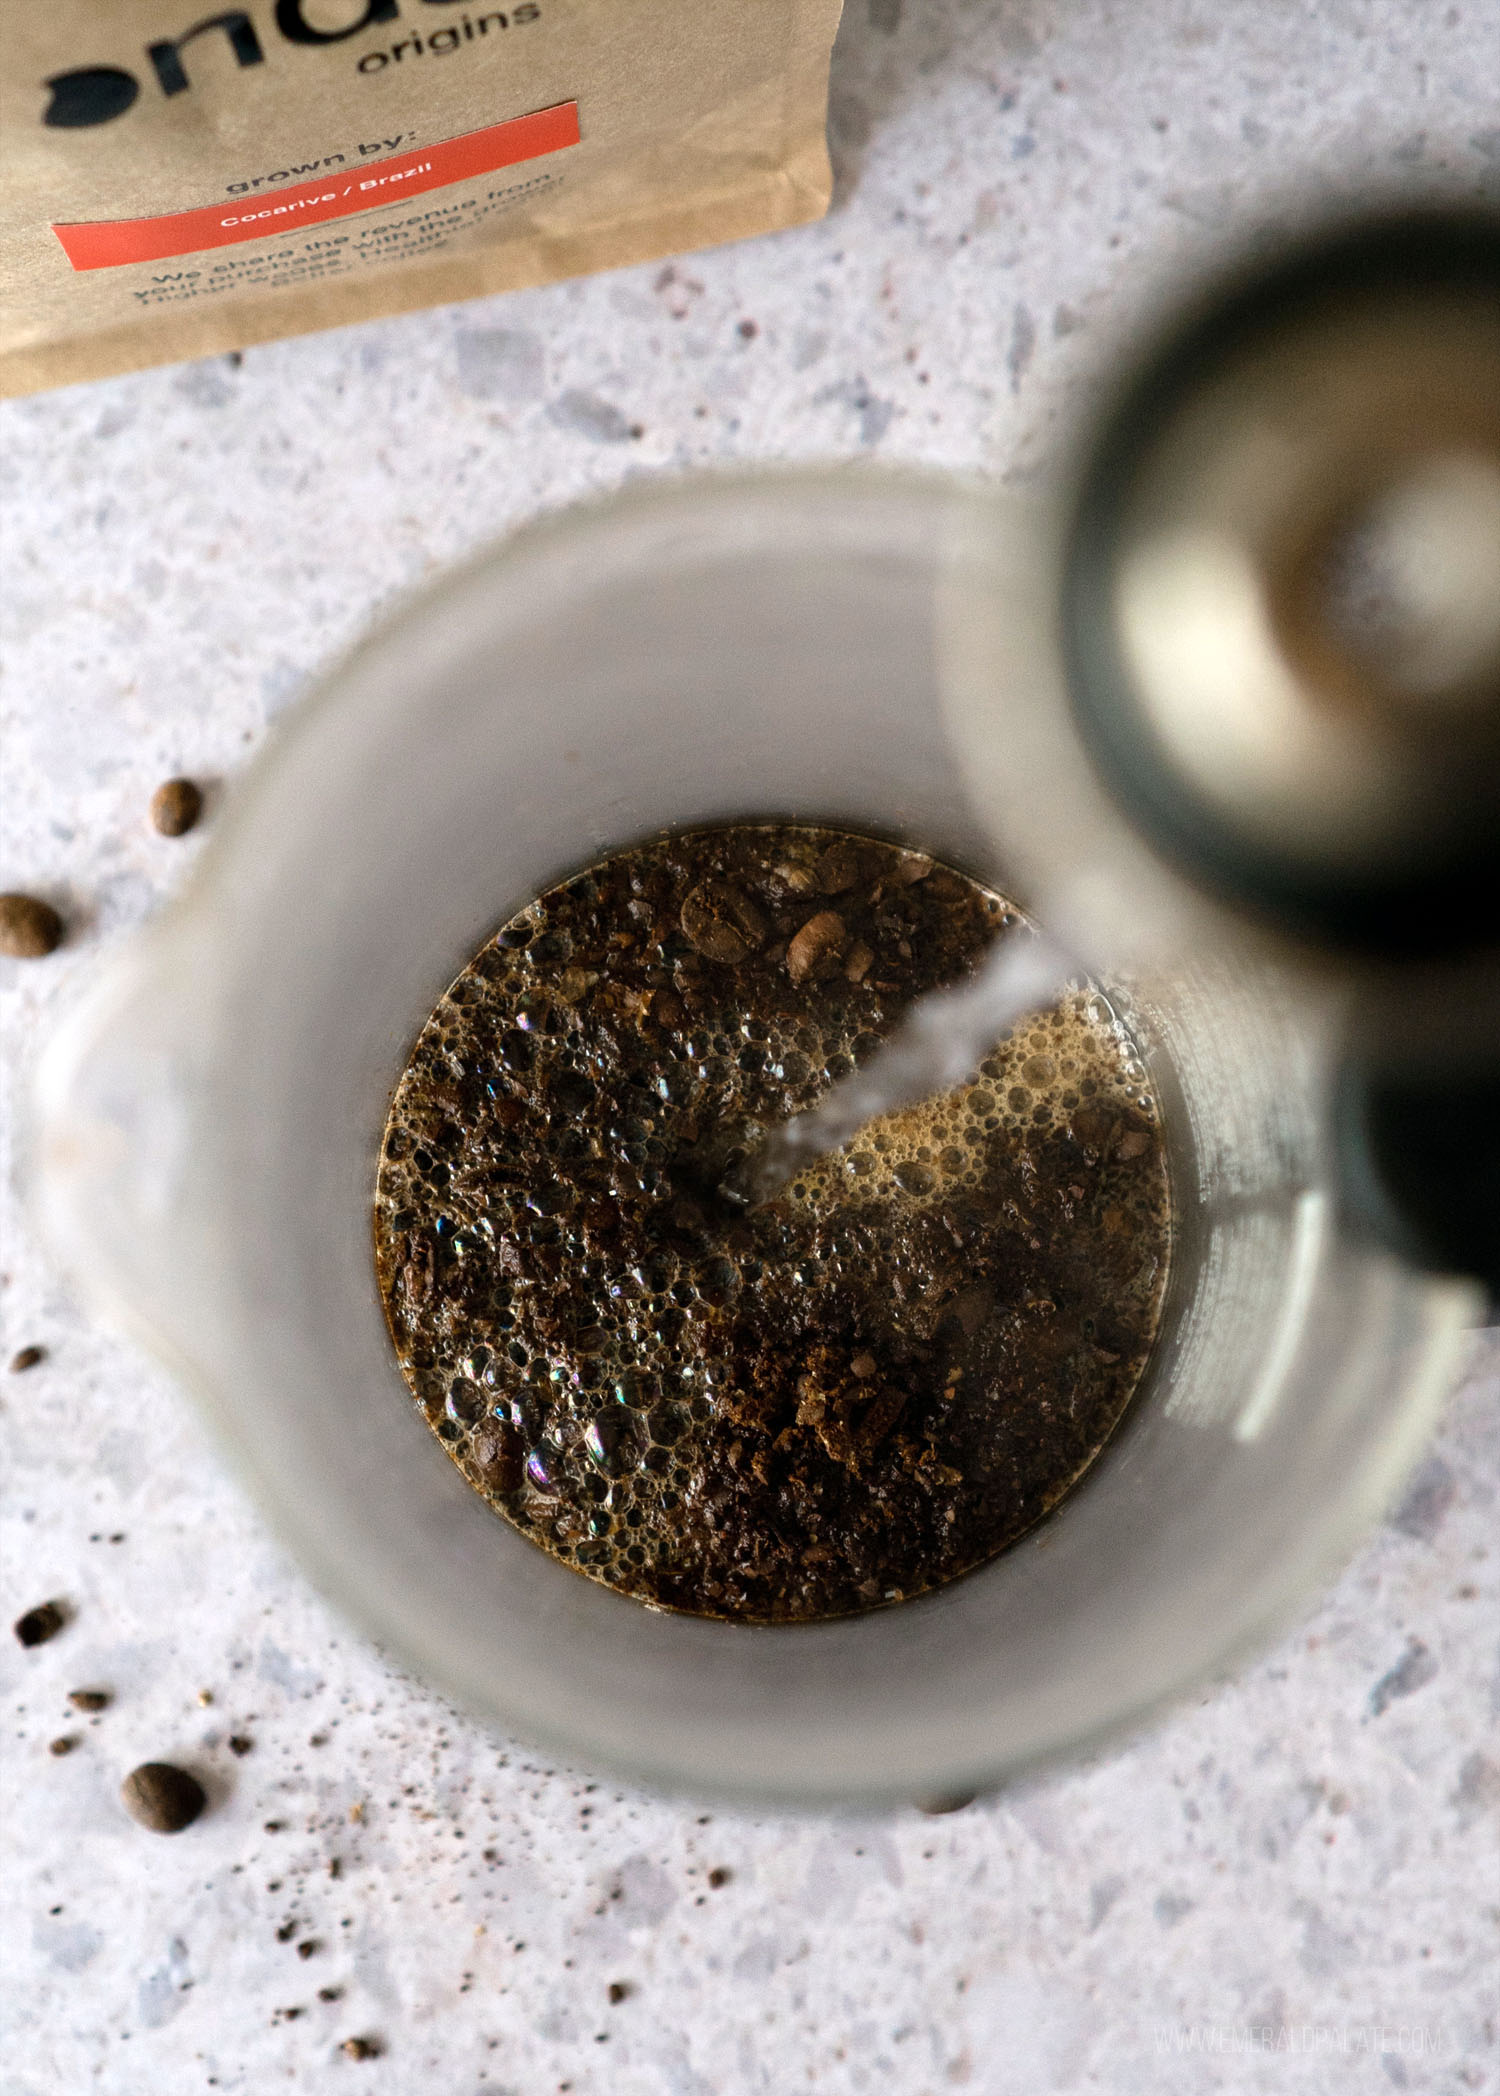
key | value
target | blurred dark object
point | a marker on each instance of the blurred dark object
(1282, 593)
(1282, 626)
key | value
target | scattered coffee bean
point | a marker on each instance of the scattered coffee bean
(722, 922)
(28, 1357)
(240, 1743)
(361, 2048)
(175, 807)
(309, 1948)
(667, 1010)
(719, 1876)
(65, 1745)
(837, 869)
(161, 1797)
(29, 927)
(40, 1623)
(330, 1994)
(89, 1698)
(620, 1990)
(815, 950)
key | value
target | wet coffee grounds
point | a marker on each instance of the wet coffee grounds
(829, 1401)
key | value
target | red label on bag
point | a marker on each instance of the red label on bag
(106, 243)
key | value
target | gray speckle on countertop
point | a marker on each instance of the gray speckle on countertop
(1290, 1883)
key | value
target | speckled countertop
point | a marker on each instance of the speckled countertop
(1291, 1883)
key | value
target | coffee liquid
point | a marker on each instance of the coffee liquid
(825, 1401)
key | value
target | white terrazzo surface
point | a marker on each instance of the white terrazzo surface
(1292, 1884)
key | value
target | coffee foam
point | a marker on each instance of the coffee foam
(1076, 1052)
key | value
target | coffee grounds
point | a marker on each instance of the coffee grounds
(827, 1402)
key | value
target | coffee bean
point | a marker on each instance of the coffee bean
(240, 1744)
(161, 1797)
(28, 1357)
(29, 927)
(361, 2048)
(65, 1745)
(89, 1698)
(40, 1623)
(719, 1876)
(816, 947)
(175, 807)
(666, 1009)
(501, 1456)
(722, 922)
(836, 869)
(620, 1990)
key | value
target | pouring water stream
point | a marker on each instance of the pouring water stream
(941, 1040)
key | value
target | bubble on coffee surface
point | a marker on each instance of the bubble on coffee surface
(855, 1391)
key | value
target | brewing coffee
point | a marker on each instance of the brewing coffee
(821, 1403)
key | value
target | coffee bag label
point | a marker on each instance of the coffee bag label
(177, 183)
(108, 243)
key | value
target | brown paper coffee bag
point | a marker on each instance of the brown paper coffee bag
(178, 182)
